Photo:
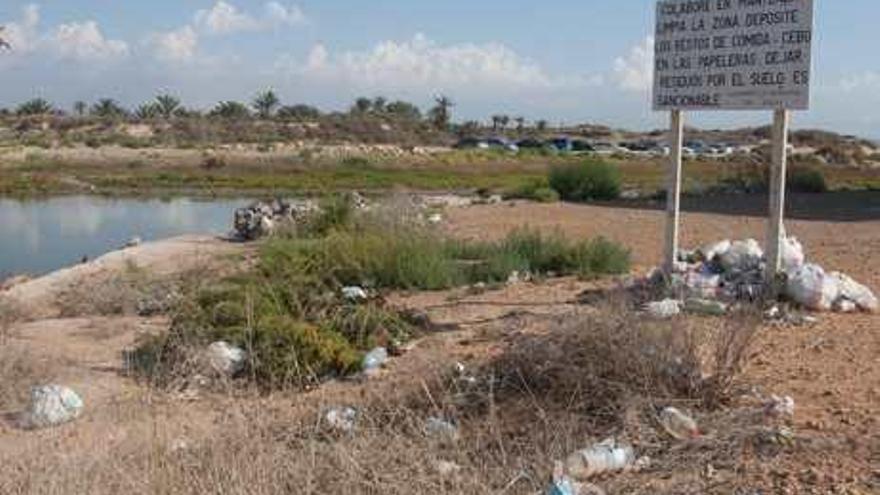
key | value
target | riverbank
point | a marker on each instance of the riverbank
(229, 172)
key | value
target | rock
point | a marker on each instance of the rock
(354, 294)
(226, 359)
(133, 242)
(341, 419)
(52, 405)
(664, 309)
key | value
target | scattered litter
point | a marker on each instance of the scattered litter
(51, 405)
(845, 306)
(226, 359)
(435, 219)
(711, 251)
(341, 419)
(447, 468)
(678, 424)
(792, 255)
(706, 307)
(262, 218)
(664, 309)
(133, 242)
(441, 428)
(354, 294)
(516, 277)
(605, 457)
(779, 407)
(375, 359)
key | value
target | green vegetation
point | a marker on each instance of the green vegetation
(289, 311)
(537, 190)
(591, 180)
(807, 180)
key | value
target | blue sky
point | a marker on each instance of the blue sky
(566, 61)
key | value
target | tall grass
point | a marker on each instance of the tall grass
(289, 311)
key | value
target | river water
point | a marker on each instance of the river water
(38, 236)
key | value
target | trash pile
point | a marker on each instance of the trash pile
(734, 271)
(51, 405)
(261, 219)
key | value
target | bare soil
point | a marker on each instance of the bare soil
(831, 369)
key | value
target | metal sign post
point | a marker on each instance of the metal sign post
(673, 189)
(775, 225)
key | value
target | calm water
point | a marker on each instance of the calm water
(43, 235)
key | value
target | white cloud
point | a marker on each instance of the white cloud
(424, 64)
(84, 41)
(635, 72)
(22, 35)
(865, 80)
(176, 46)
(225, 18)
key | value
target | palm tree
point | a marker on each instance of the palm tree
(108, 108)
(362, 105)
(149, 111)
(520, 123)
(496, 121)
(265, 103)
(3, 42)
(37, 106)
(80, 108)
(167, 105)
(379, 104)
(230, 110)
(403, 110)
(441, 114)
(541, 125)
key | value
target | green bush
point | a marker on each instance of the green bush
(807, 180)
(588, 181)
(535, 190)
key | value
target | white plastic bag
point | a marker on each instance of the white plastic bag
(742, 256)
(856, 292)
(792, 255)
(710, 251)
(812, 288)
(226, 359)
(52, 405)
(664, 309)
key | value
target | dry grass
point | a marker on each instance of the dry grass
(547, 395)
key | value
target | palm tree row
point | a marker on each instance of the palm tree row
(265, 105)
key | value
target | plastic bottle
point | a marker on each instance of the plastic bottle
(604, 457)
(678, 424)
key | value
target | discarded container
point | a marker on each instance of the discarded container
(678, 424)
(664, 309)
(51, 405)
(856, 292)
(341, 419)
(354, 294)
(812, 288)
(374, 359)
(703, 283)
(435, 219)
(706, 307)
(226, 359)
(605, 457)
(441, 428)
(779, 406)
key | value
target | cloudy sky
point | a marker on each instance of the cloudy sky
(562, 60)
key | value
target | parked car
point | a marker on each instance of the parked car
(500, 143)
(471, 144)
(531, 144)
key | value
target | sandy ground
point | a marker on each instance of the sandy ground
(831, 369)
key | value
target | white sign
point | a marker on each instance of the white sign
(733, 54)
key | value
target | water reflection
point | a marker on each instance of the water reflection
(43, 235)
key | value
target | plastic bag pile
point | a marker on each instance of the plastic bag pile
(734, 270)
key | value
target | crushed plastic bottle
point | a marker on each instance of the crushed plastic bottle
(605, 457)
(678, 424)
(374, 359)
